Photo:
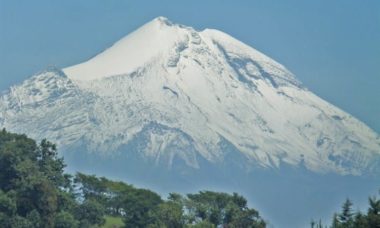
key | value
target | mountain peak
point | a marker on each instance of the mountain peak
(163, 21)
(171, 92)
(131, 52)
(161, 40)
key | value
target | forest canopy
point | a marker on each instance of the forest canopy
(36, 192)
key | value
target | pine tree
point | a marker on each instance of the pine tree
(360, 221)
(335, 222)
(346, 217)
(373, 215)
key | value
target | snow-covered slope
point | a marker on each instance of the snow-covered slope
(172, 92)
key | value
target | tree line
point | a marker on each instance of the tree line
(348, 218)
(36, 192)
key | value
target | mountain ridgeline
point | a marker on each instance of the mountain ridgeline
(179, 94)
(175, 109)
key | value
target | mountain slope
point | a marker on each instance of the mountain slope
(171, 93)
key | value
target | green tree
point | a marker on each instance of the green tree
(373, 215)
(335, 221)
(35, 192)
(34, 218)
(346, 217)
(7, 209)
(19, 222)
(51, 165)
(168, 214)
(360, 221)
(34, 189)
(222, 209)
(315, 224)
(138, 206)
(201, 224)
(91, 212)
(14, 151)
(92, 187)
(23, 178)
(106, 192)
(7, 204)
(65, 220)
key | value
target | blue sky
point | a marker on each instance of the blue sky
(332, 46)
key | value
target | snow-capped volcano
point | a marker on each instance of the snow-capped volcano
(169, 92)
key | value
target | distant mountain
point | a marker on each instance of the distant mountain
(182, 100)
(184, 94)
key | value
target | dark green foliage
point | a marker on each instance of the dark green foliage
(111, 194)
(19, 222)
(349, 219)
(315, 224)
(346, 218)
(138, 206)
(7, 204)
(168, 214)
(201, 224)
(360, 221)
(91, 212)
(18, 155)
(223, 209)
(34, 218)
(335, 221)
(36, 193)
(65, 220)
(144, 208)
(51, 165)
(34, 190)
(373, 215)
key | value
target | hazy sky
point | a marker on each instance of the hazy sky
(332, 46)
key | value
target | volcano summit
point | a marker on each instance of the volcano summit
(171, 98)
